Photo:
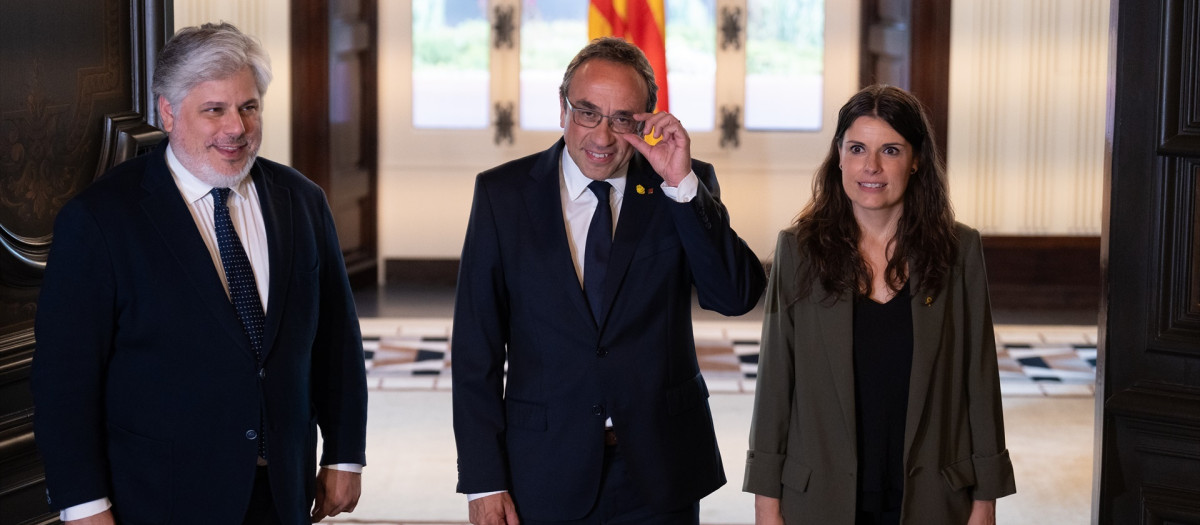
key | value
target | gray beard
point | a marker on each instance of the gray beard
(212, 177)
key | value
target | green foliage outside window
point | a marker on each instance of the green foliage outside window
(439, 43)
(785, 36)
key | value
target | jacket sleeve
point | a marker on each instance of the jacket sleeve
(773, 391)
(74, 329)
(339, 373)
(993, 468)
(478, 351)
(728, 276)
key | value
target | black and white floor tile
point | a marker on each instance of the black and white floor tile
(414, 354)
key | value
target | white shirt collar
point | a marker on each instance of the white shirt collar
(192, 188)
(576, 182)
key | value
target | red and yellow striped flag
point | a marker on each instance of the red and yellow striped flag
(642, 23)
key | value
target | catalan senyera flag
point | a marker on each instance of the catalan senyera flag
(642, 23)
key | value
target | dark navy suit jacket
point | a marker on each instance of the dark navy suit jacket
(540, 436)
(145, 383)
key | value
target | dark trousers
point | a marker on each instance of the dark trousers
(621, 503)
(262, 505)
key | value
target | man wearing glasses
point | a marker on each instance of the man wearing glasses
(578, 270)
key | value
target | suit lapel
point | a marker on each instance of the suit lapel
(636, 212)
(928, 315)
(837, 322)
(166, 210)
(276, 204)
(543, 201)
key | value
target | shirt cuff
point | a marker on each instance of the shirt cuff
(348, 467)
(84, 510)
(686, 190)
(477, 495)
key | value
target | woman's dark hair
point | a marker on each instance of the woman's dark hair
(925, 242)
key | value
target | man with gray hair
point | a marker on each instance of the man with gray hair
(196, 325)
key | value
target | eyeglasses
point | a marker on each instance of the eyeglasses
(590, 118)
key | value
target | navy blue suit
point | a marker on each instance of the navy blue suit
(145, 383)
(542, 436)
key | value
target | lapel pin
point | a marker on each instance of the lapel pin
(641, 189)
(929, 301)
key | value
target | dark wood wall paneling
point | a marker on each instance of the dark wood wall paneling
(74, 101)
(340, 155)
(1044, 273)
(1148, 389)
(434, 272)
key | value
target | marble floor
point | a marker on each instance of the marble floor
(410, 477)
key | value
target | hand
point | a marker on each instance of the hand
(766, 511)
(983, 513)
(104, 518)
(497, 509)
(337, 492)
(671, 157)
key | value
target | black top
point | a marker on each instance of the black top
(883, 349)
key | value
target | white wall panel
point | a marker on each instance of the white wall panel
(1027, 95)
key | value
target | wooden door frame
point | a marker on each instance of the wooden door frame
(309, 40)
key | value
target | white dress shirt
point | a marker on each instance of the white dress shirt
(578, 205)
(246, 213)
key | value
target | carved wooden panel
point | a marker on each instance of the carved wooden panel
(55, 97)
(1193, 278)
(1180, 114)
(1148, 384)
(74, 100)
(1179, 298)
(1170, 506)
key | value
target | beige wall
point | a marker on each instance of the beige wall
(1027, 113)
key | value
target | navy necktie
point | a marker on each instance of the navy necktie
(597, 248)
(243, 291)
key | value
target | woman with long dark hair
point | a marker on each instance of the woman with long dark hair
(878, 397)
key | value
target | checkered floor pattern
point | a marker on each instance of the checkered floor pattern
(414, 354)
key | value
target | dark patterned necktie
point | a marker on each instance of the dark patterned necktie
(597, 248)
(243, 291)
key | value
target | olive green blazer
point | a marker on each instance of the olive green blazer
(803, 436)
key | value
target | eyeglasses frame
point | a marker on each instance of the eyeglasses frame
(638, 126)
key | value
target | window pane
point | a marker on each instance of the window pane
(450, 64)
(551, 34)
(692, 61)
(784, 64)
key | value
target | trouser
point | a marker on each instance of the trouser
(262, 505)
(621, 503)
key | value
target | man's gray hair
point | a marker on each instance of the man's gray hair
(613, 49)
(196, 55)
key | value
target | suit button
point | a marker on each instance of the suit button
(598, 410)
(602, 352)
(250, 434)
(262, 373)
